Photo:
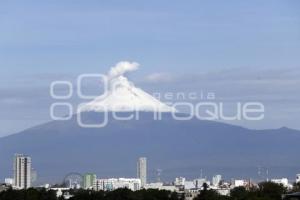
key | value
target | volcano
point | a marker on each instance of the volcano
(123, 96)
(179, 148)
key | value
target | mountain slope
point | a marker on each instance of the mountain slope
(178, 147)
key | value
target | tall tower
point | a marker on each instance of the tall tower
(22, 171)
(142, 170)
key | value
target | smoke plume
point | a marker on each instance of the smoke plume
(121, 68)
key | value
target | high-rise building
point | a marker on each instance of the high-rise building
(142, 170)
(22, 171)
(88, 180)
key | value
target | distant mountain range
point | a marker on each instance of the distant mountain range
(179, 148)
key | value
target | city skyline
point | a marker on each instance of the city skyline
(22, 177)
(180, 186)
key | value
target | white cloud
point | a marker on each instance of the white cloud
(159, 77)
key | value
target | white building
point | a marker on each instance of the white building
(223, 191)
(22, 171)
(283, 181)
(161, 186)
(60, 192)
(239, 183)
(199, 182)
(142, 170)
(188, 185)
(116, 183)
(157, 185)
(9, 181)
(298, 178)
(216, 180)
(179, 181)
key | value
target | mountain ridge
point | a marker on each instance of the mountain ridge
(60, 147)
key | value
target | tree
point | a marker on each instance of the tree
(239, 193)
(271, 190)
(296, 187)
(206, 194)
(87, 195)
(29, 194)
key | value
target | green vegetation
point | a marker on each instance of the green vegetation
(264, 191)
(120, 194)
(296, 187)
(30, 194)
(125, 194)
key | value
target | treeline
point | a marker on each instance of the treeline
(120, 194)
(29, 194)
(264, 191)
(126, 194)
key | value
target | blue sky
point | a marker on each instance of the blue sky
(241, 50)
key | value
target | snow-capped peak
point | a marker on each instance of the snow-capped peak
(123, 96)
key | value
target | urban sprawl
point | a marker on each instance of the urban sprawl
(24, 177)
